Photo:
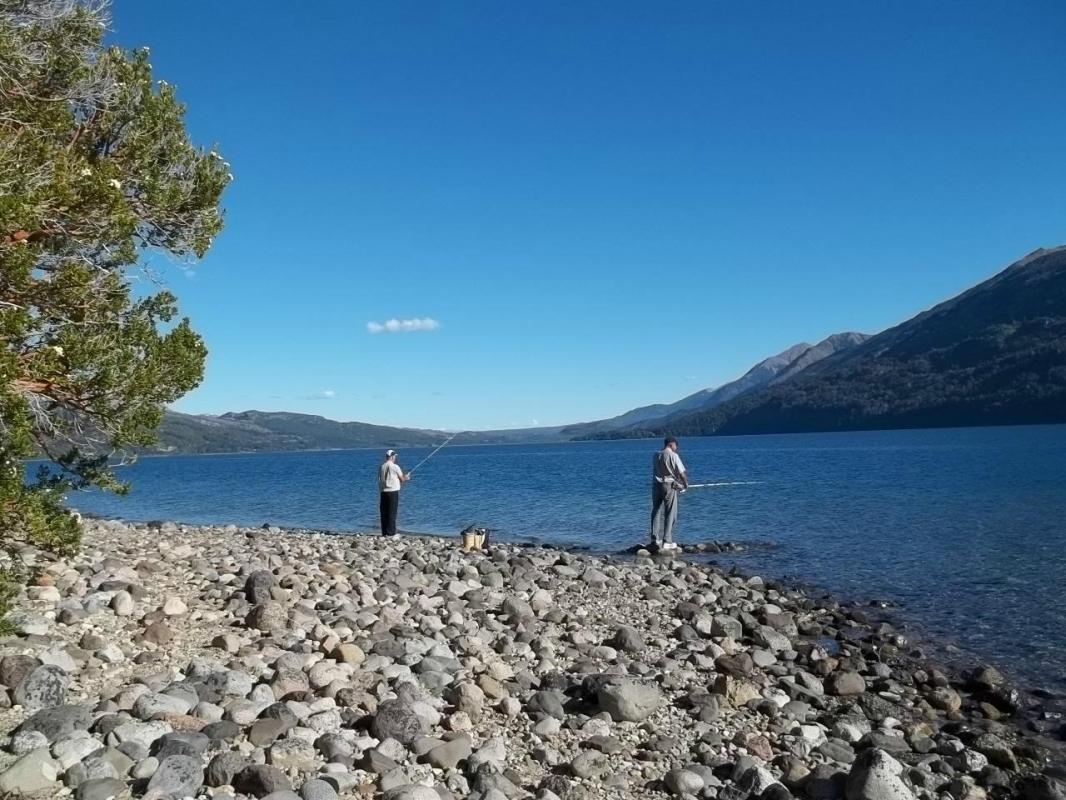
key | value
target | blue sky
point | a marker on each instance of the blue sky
(601, 205)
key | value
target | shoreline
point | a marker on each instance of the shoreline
(942, 648)
(550, 671)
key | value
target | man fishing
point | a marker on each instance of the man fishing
(668, 478)
(390, 479)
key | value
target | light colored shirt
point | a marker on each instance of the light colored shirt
(667, 467)
(390, 477)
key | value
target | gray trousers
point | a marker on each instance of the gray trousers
(663, 512)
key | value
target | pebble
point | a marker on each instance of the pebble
(282, 665)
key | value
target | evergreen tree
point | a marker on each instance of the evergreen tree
(97, 174)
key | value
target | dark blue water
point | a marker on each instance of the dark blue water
(964, 528)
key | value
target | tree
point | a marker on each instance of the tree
(97, 174)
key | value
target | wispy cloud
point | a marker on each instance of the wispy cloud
(403, 325)
(325, 394)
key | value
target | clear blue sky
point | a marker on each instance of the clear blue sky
(602, 204)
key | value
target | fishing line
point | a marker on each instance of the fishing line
(435, 451)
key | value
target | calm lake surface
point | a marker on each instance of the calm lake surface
(964, 528)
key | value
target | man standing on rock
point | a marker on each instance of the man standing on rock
(390, 479)
(668, 478)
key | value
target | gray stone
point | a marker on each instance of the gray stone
(257, 587)
(122, 604)
(875, 775)
(177, 776)
(15, 668)
(317, 789)
(293, 754)
(145, 769)
(589, 764)
(45, 687)
(395, 719)
(158, 633)
(450, 754)
(845, 684)
(265, 731)
(150, 704)
(682, 781)
(629, 700)
(26, 742)
(268, 617)
(59, 722)
(223, 767)
(628, 639)
(69, 752)
(33, 772)
(143, 733)
(259, 780)
(412, 791)
(102, 789)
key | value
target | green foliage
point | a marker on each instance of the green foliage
(97, 174)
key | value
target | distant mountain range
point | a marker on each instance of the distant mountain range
(765, 373)
(994, 355)
(251, 431)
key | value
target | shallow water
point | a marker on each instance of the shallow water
(964, 528)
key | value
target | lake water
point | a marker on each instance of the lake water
(964, 528)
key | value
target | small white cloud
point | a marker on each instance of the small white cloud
(325, 394)
(534, 421)
(403, 325)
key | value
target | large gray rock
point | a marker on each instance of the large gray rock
(45, 687)
(15, 668)
(317, 789)
(102, 789)
(257, 587)
(223, 768)
(629, 700)
(293, 754)
(845, 684)
(396, 719)
(627, 638)
(268, 617)
(177, 776)
(875, 775)
(35, 772)
(259, 780)
(683, 781)
(412, 791)
(449, 754)
(59, 722)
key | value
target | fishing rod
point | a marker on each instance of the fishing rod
(435, 451)
(720, 483)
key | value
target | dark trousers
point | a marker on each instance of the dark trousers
(390, 505)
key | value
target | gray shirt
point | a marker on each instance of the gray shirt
(667, 467)
(390, 477)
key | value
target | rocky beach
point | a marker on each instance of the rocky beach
(171, 661)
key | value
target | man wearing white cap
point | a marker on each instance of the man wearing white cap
(390, 479)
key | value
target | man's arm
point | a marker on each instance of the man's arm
(681, 471)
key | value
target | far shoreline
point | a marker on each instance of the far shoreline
(600, 440)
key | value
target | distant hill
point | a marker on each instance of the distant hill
(249, 431)
(767, 371)
(993, 355)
